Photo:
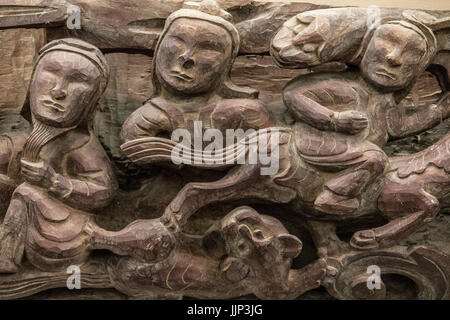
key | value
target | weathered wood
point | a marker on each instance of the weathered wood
(338, 95)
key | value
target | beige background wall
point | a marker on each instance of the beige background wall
(414, 4)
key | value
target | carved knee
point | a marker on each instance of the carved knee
(376, 163)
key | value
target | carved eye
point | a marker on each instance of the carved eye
(258, 234)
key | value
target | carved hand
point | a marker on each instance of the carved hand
(350, 121)
(38, 173)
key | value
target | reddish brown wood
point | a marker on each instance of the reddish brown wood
(337, 91)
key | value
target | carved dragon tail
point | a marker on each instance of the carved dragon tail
(151, 150)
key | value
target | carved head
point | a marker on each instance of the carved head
(257, 244)
(397, 52)
(195, 52)
(193, 56)
(316, 37)
(68, 79)
(302, 44)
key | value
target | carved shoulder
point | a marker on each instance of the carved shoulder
(326, 89)
(241, 113)
(91, 163)
(147, 121)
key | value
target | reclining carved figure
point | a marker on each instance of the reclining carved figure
(243, 253)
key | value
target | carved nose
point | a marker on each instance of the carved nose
(58, 93)
(394, 58)
(188, 63)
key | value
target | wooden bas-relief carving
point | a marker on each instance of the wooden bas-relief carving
(220, 150)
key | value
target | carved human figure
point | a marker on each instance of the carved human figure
(17, 52)
(14, 130)
(191, 81)
(66, 171)
(343, 119)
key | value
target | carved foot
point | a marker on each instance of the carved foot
(364, 240)
(331, 203)
(7, 266)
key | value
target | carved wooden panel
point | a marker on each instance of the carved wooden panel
(221, 149)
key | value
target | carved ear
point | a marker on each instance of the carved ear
(291, 246)
(316, 31)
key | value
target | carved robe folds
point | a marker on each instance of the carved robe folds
(56, 222)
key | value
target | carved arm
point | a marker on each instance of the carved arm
(147, 121)
(84, 194)
(309, 111)
(308, 104)
(91, 184)
(402, 123)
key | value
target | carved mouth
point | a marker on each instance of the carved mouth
(53, 105)
(382, 72)
(181, 76)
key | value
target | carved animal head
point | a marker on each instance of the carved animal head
(257, 245)
(317, 37)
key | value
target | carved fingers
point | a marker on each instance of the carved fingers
(38, 173)
(350, 121)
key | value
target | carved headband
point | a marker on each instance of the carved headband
(416, 26)
(83, 48)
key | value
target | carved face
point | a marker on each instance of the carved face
(63, 86)
(393, 56)
(193, 56)
(259, 242)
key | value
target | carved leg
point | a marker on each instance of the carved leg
(12, 236)
(426, 205)
(308, 278)
(142, 239)
(238, 184)
(325, 238)
(341, 194)
(299, 281)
